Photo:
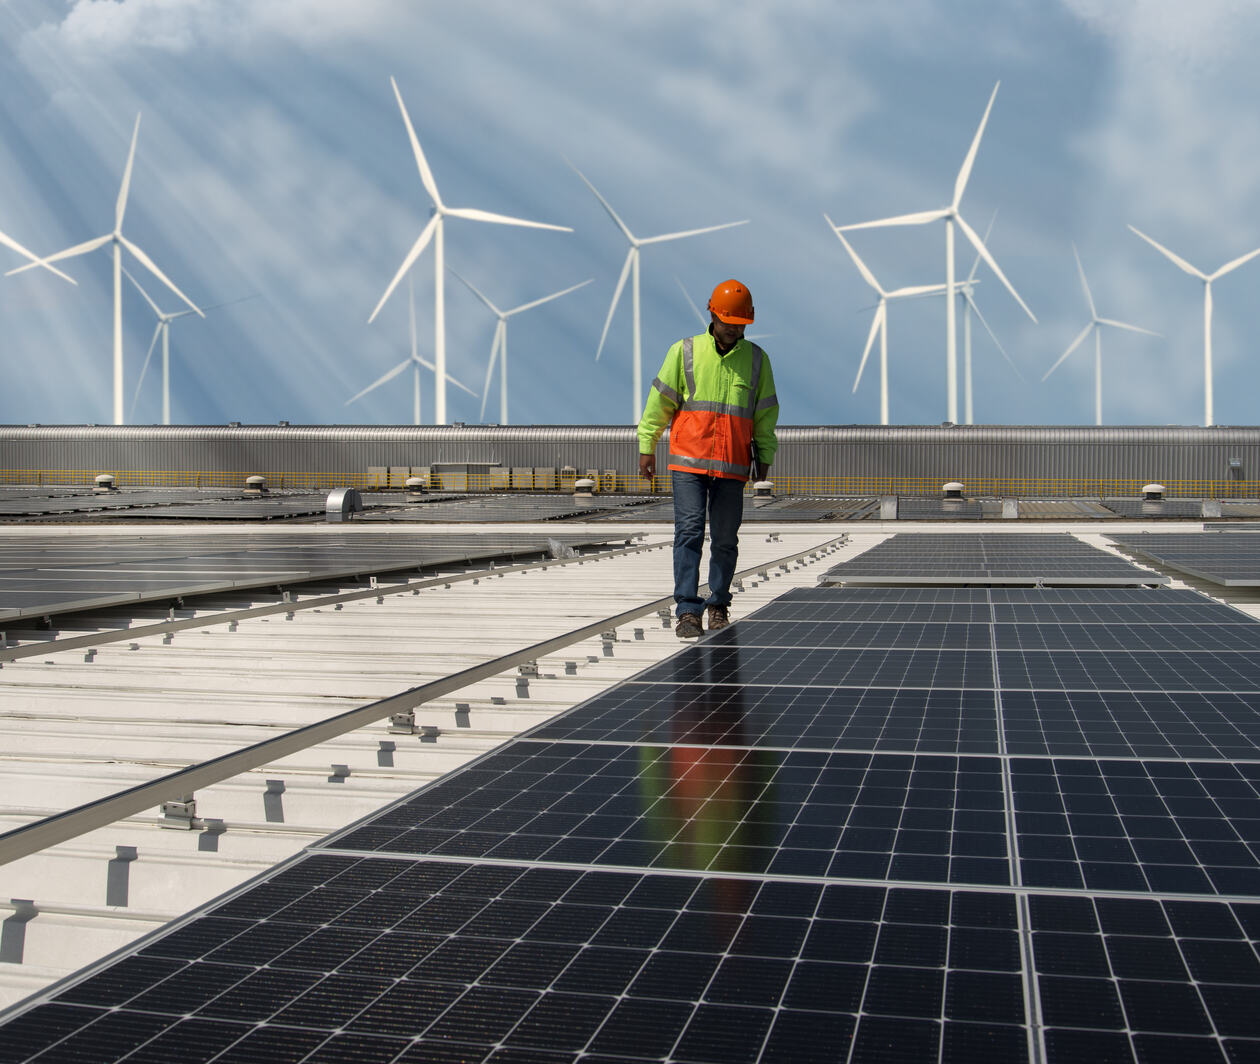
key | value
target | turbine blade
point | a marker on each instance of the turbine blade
(689, 300)
(377, 383)
(120, 208)
(607, 206)
(612, 307)
(991, 262)
(1125, 325)
(147, 298)
(1235, 263)
(918, 218)
(1175, 259)
(1089, 298)
(463, 386)
(12, 244)
(547, 299)
(78, 249)
(151, 266)
(877, 323)
(1071, 347)
(422, 241)
(863, 269)
(691, 232)
(992, 335)
(475, 215)
(476, 291)
(975, 265)
(494, 356)
(963, 174)
(144, 369)
(422, 164)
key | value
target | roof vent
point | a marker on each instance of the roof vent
(1153, 492)
(283, 424)
(953, 489)
(341, 503)
(764, 488)
(415, 487)
(584, 487)
(234, 424)
(104, 483)
(255, 485)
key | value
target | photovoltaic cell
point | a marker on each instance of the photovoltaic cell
(1231, 559)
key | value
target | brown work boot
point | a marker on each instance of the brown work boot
(688, 626)
(719, 617)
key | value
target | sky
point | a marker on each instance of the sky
(273, 174)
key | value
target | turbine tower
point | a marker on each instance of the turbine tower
(1207, 279)
(632, 264)
(879, 323)
(163, 329)
(415, 362)
(116, 238)
(1095, 324)
(498, 346)
(952, 216)
(433, 232)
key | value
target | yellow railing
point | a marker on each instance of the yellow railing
(632, 483)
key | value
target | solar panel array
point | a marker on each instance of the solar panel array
(1150, 508)
(54, 574)
(988, 558)
(1231, 559)
(919, 823)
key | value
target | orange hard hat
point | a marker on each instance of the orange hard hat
(732, 303)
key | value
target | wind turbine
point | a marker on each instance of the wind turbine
(116, 238)
(433, 232)
(1095, 324)
(879, 323)
(498, 346)
(632, 264)
(415, 362)
(951, 215)
(163, 329)
(1207, 279)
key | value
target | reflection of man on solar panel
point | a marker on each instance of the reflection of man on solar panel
(701, 792)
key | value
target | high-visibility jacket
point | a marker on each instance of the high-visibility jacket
(715, 406)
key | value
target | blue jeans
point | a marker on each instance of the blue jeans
(696, 494)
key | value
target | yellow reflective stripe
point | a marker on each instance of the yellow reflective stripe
(689, 365)
(667, 392)
(767, 403)
(758, 358)
(709, 463)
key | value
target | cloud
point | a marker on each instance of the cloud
(103, 26)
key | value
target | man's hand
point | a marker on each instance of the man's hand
(762, 472)
(647, 465)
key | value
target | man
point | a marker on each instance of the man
(715, 392)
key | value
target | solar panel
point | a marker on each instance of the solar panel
(1231, 559)
(989, 558)
(1147, 509)
(47, 575)
(805, 838)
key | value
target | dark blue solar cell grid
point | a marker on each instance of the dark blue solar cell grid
(1125, 979)
(907, 635)
(720, 809)
(1162, 826)
(1161, 638)
(478, 962)
(770, 666)
(820, 718)
(1123, 724)
(1125, 670)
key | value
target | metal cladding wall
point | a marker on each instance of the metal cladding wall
(1029, 453)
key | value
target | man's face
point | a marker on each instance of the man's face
(725, 334)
